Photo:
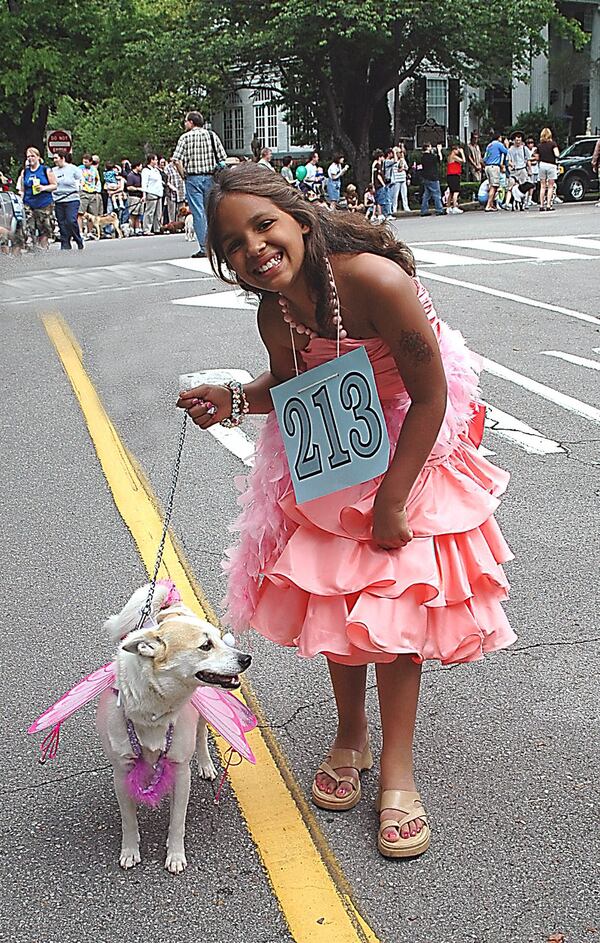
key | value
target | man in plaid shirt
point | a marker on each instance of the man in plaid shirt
(199, 152)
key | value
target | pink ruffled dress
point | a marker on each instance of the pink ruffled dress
(310, 575)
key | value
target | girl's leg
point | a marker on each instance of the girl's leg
(550, 194)
(349, 687)
(404, 196)
(398, 686)
(542, 192)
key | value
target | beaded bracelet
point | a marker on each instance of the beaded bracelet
(239, 405)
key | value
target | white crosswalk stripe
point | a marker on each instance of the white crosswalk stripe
(580, 242)
(491, 252)
(520, 250)
(519, 433)
(569, 403)
(232, 299)
(572, 358)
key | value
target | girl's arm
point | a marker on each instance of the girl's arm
(399, 319)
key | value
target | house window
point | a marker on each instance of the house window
(233, 129)
(262, 95)
(437, 100)
(266, 124)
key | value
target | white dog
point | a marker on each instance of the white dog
(158, 669)
(189, 228)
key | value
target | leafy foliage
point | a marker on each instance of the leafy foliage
(121, 72)
(532, 122)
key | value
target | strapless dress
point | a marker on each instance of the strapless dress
(310, 575)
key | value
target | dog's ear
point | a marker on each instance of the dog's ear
(148, 647)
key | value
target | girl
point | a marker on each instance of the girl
(380, 187)
(399, 184)
(402, 568)
(456, 159)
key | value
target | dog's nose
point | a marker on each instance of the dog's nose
(245, 661)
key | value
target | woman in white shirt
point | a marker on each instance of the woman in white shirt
(399, 181)
(153, 188)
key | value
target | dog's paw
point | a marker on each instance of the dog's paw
(206, 768)
(176, 862)
(129, 858)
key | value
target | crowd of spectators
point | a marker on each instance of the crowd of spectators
(72, 204)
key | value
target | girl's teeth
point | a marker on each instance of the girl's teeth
(270, 264)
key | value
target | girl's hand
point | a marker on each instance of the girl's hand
(206, 405)
(390, 525)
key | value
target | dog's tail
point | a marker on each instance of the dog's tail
(124, 622)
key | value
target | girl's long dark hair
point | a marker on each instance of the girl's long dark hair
(329, 232)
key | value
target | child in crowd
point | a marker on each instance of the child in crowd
(369, 201)
(403, 568)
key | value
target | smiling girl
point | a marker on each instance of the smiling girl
(402, 568)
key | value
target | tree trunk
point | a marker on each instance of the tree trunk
(28, 131)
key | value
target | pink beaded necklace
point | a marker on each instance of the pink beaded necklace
(303, 328)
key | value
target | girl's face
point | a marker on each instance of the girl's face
(32, 158)
(262, 244)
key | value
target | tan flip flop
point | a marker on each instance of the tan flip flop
(337, 759)
(409, 808)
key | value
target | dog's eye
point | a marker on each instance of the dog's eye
(207, 646)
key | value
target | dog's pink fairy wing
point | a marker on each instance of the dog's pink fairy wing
(83, 692)
(228, 716)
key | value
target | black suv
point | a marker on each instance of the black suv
(575, 174)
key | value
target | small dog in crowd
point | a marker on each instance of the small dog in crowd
(519, 193)
(99, 222)
(177, 225)
(148, 727)
(189, 228)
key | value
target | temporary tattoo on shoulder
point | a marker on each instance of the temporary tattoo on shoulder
(413, 345)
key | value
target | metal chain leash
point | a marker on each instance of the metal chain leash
(168, 511)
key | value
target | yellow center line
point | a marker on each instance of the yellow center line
(303, 872)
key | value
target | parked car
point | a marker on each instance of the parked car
(575, 174)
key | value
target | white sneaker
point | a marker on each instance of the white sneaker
(557, 199)
(457, 209)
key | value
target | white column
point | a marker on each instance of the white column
(595, 72)
(539, 88)
(521, 98)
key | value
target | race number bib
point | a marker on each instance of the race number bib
(332, 426)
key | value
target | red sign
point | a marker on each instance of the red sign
(59, 142)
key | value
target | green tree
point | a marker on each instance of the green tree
(49, 50)
(352, 53)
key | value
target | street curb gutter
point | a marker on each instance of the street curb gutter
(306, 878)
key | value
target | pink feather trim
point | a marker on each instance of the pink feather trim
(148, 785)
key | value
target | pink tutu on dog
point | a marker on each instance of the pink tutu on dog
(310, 575)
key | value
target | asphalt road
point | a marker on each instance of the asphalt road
(507, 749)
